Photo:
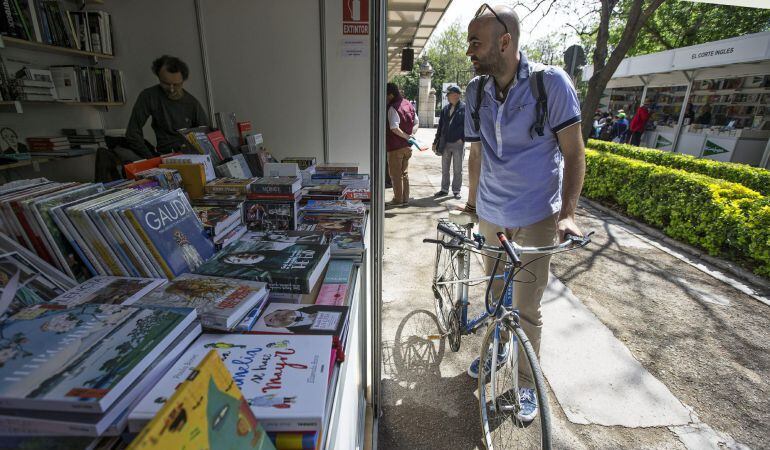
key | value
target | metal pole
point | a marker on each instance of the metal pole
(204, 61)
(378, 78)
(691, 78)
(324, 94)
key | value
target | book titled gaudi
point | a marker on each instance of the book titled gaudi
(171, 230)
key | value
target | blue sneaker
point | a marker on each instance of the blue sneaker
(528, 402)
(502, 358)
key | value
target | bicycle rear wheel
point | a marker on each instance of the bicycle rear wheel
(444, 290)
(498, 407)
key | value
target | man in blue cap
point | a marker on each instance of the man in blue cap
(449, 142)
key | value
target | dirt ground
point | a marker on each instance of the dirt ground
(706, 341)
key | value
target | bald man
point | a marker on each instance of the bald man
(527, 188)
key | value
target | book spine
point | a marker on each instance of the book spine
(34, 239)
(91, 238)
(61, 220)
(214, 189)
(22, 426)
(22, 20)
(148, 244)
(273, 189)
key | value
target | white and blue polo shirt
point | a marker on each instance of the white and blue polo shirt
(521, 172)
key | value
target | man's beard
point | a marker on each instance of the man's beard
(175, 95)
(490, 65)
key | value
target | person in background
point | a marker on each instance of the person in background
(596, 127)
(529, 187)
(619, 127)
(639, 122)
(606, 132)
(170, 107)
(705, 115)
(449, 142)
(689, 113)
(401, 120)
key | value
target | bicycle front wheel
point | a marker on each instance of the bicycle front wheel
(444, 287)
(499, 402)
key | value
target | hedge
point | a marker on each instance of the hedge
(726, 219)
(751, 177)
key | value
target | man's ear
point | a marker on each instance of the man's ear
(505, 42)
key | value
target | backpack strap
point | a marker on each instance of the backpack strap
(537, 86)
(477, 106)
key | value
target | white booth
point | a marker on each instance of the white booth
(729, 78)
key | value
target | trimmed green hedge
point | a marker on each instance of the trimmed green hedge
(725, 219)
(751, 177)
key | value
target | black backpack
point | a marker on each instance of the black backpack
(537, 86)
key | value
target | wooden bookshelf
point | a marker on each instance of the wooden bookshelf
(39, 46)
(53, 102)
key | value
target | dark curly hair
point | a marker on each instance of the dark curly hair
(172, 64)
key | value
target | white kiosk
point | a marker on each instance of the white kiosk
(731, 76)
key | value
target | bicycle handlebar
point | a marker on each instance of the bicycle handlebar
(513, 250)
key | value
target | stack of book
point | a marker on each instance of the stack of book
(164, 178)
(122, 232)
(84, 367)
(302, 161)
(205, 160)
(50, 23)
(223, 224)
(86, 137)
(35, 85)
(88, 84)
(335, 286)
(49, 146)
(273, 203)
(344, 222)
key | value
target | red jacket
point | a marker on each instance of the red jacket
(640, 119)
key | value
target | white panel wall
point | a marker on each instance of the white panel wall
(144, 30)
(265, 65)
(348, 94)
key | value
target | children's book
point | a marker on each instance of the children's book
(284, 379)
(82, 359)
(109, 290)
(221, 302)
(207, 411)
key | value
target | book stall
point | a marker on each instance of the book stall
(710, 100)
(116, 295)
(221, 293)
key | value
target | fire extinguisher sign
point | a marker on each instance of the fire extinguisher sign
(355, 17)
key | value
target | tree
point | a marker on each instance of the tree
(549, 49)
(600, 18)
(409, 83)
(681, 24)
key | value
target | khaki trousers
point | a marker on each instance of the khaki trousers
(398, 167)
(474, 171)
(526, 295)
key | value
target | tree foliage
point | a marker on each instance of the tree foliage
(548, 49)
(680, 24)
(447, 56)
(409, 83)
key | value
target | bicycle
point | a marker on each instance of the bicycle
(499, 402)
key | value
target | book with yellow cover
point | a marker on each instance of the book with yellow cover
(193, 177)
(207, 411)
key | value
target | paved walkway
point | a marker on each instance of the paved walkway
(648, 352)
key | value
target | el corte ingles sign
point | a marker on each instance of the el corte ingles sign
(724, 52)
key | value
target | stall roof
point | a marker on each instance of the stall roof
(666, 68)
(410, 24)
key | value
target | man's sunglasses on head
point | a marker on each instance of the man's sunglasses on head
(485, 7)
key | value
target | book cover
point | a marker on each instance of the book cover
(282, 170)
(80, 359)
(276, 185)
(271, 214)
(292, 236)
(109, 291)
(334, 290)
(285, 267)
(174, 231)
(288, 318)
(220, 145)
(221, 302)
(302, 161)
(283, 378)
(232, 169)
(228, 127)
(206, 411)
(229, 186)
(229, 237)
(193, 177)
(243, 129)
(241, 160)
(216, 219)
